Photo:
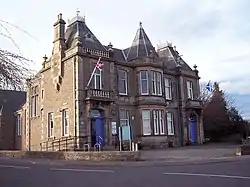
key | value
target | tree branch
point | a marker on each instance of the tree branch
(13, 67)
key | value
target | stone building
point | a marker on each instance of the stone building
(10, 126)
(154, 91)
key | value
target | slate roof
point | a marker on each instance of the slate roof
(178, 59)
(11, 101)
(78, 28)
(118, 54)
(141, 46)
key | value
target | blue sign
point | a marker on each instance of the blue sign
(125, 133)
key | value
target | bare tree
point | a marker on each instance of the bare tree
(205, 95)
(13, 66)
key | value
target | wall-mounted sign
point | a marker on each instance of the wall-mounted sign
(113, 128)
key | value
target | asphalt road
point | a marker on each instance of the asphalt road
(14, 172)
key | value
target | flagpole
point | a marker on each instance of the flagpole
(92, 74)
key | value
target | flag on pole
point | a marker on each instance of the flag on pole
(98, 65)
(209, 86)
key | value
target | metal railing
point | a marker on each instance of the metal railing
(66, 143)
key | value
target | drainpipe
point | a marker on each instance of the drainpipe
(74, 98)
(180, 105)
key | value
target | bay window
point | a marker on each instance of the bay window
(146, 125)
(154, 117)
(144, 82)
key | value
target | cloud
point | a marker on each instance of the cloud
(213, 34)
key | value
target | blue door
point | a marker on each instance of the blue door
(193, 131)
(100, 131)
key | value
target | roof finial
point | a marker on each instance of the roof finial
(140, 24)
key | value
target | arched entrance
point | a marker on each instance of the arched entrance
(97, 127)
(193, 128)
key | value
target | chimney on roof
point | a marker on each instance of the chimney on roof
(59, 37)
(110, 49)
(169, 44)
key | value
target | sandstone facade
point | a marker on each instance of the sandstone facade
(154, 91)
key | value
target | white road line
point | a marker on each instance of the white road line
(209, 175)
(81, 170)
(16, 167)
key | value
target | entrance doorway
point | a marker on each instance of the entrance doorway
(193, 128)
(97, 128)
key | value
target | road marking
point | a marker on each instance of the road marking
(16, 167)
(209, 175)
(82, 170)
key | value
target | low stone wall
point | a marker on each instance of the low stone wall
(73, 155)
(243, 150)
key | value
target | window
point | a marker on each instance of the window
(98, 79)
(156, 84)
(144, 82)
(65, 122)
(158, 122)
(34, 101)
(124, 117)
(50, 124)
(123, 82)
(190, 90)
(170, 123)
(42, 93)
(168, 89)
(153, 82)
(19, 125)
(159, 85)
(146, 127)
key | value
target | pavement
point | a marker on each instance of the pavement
(51, 173)
(211, 151)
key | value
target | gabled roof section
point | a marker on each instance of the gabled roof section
(141, 46)
(178, 59)
(77, 28)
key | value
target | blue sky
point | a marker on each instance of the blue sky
(213, 34)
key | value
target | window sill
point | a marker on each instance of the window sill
(171, 134)
(154, 135)
(169, 99)
(123, 94)
(51, 137)
(34, 117)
